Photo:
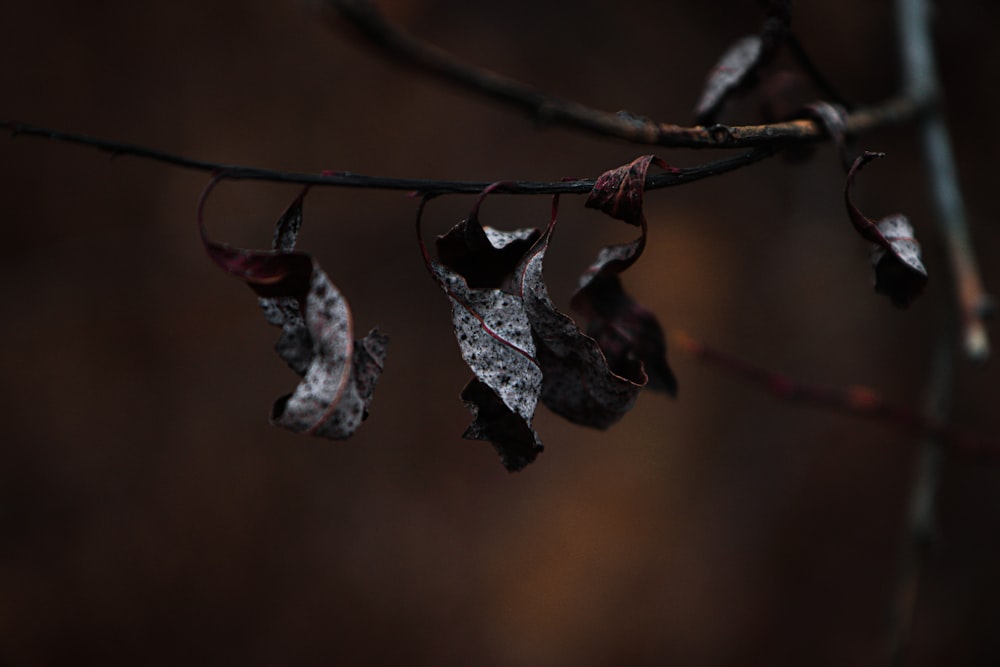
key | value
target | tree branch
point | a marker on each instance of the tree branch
(857, 400)
(921, 81)
(407, 50)
(345, 179)
(922, 503)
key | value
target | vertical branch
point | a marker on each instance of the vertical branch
(921, 82)
(922, 503)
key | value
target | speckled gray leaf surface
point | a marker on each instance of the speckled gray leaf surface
(494, 336)
(493, 333)
(339, 374)
(578, 383)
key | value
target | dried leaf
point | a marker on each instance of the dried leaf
(578, 383)
(494, 337)
(618, 192)
(513, 438)
(484, 256)
(629, 335)
(339, 374)
(899, 270)
(737, 68)
(731, 73)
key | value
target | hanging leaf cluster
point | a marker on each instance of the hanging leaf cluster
(895, 251)
(520, 348)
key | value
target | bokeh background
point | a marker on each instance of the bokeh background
(149, 515)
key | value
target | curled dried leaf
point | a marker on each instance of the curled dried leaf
(513, 438)
(484, 256)
(339, 375)
(494, 337)
(899, 269)
(629, 335)
(578, 382)
(618, 192)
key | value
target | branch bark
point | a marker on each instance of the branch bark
(387, 38)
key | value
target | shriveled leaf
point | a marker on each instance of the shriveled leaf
(618, 192)
(513, 438)
(732, 72)
(494, 336)
(899, 273)
(484, 256)
(899, 269)
(332, 399)
(578, 383)
(736, 70)
(629, 335)
(339, 375)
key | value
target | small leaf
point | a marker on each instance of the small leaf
(629, 335)
(339, 374)
(618, 192)
(578, 383)
(899, 270)
(737, 68)
(731, 73)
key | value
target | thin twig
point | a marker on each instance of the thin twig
(678, 176)
(856, 400)
(409, 51)
(921, 82)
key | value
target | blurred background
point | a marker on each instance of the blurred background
(149, 515)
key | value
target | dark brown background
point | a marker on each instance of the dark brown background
(148, 513)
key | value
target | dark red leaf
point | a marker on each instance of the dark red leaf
(899, 270)
(618, 192)
(578, 383)
(736, 70)
(339, 374)
(629, 335)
